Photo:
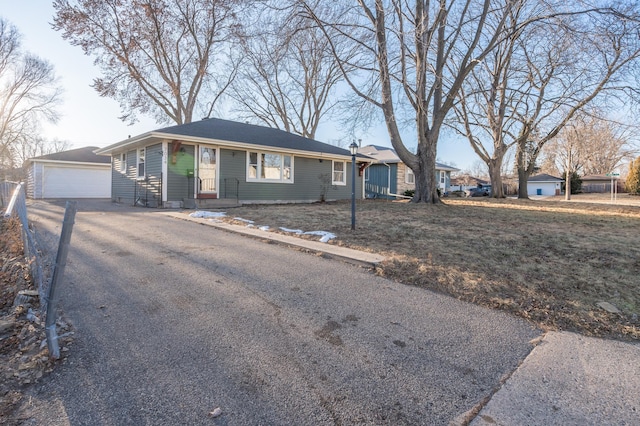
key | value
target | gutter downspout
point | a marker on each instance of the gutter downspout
(389, 184)
(364, 182)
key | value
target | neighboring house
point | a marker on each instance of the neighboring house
(77, 173)
(600, 183)
(389, 177)
(464, 182)
(544, 184)
(194, 164)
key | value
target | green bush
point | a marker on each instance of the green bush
(576, 182)
(412, 192)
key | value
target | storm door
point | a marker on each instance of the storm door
(207, 163)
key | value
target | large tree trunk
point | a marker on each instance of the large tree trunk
(426, 183)
(523, 173)
(495, 174)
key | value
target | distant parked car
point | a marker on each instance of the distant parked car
(476, 192)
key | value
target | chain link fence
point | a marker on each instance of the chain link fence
(44, 253)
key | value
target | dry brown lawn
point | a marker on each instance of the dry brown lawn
(548, 261)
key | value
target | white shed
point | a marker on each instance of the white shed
(544, 184)
(77, 173)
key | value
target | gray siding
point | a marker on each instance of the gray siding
(308, 181)
(34, 180)
(149, 189)
(180, 179)
(123, 182)
(126, 188)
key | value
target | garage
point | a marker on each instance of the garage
(544, 184)
(62, 181)
(77, 173)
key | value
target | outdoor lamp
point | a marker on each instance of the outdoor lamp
(354, 150)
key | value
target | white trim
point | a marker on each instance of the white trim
(408, 172)
(144, 140)
(165, 170)
(344, 173)
(258, 178)
(123, 163)
(75, 163)
(144, 162)
(216, 149)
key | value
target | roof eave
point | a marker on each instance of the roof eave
(129, 142)
(78, 163)
(141, 139)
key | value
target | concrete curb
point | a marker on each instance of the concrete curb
(355, 257)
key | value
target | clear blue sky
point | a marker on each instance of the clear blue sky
(89, 120)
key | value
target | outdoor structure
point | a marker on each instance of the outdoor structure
(200, 163)
(544, 184)
(77, 173)
(601, 183)
(388, 177)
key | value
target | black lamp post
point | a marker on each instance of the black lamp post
(354, 150)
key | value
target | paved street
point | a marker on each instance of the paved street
(174, 319)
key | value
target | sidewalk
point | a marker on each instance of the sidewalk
(567, 379)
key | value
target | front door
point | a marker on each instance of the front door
(207, 163)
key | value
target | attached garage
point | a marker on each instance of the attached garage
(77, 173)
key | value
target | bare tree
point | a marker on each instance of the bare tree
(289, 75)
(589, 145)
(572, 62)
(37, 146)
(165, 58)
(490, 95)
(541, 74)
(29, 93)
(411, 59)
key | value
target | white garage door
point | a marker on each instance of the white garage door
(76, 182)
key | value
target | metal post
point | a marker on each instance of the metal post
(353, 191)
(58, 272)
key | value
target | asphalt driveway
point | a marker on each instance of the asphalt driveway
(174, 319)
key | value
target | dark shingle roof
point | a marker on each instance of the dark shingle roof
(79, 155)
(385, 154)
(215, 128)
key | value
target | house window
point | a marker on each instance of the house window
(141, 152)
(269, 167)
(442, 177)
(123, 162)
(366, 174)
(338, 175)
(252, 171)
(409, 177)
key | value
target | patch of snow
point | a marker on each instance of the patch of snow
(264, 228)
(326, 236)
(206, 215)
(243, 220)
(294, 231)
